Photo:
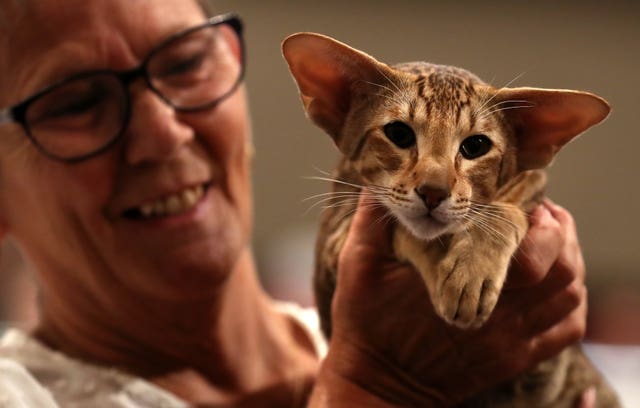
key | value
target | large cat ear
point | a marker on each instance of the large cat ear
(325, 71)
(547, 119)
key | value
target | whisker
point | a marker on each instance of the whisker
(390, 98)
(346, 215)
(490, 233)
(386, 217)
(495, 105)
(502, 103)
(388, 79)
(378, 85)
(351, 212)
(507, 108)
(340, 204)
(340, 199)
(475, 112)
(324, 172)
(324, 200)
(496, 210)
(493, 216)
(371, 187)
(490, 219)
(333, 194)
(485, 227)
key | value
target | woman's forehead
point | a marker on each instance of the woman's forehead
(137, 17)
(98, 34)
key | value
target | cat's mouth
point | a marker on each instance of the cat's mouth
(435, 225)
(432, 219)
(426, 226)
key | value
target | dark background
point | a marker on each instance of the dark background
(577, 45)
(574, 45)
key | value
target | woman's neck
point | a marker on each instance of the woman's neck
(234, 343)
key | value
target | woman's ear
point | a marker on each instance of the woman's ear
(325, 71)
(546, 119)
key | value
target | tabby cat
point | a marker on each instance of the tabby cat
(458, 164)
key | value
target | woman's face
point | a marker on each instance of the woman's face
(75, 221)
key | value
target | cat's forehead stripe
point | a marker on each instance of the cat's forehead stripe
(355, 155)
(420, 82)
(445, 91)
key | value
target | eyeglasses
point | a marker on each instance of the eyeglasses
(83, 115)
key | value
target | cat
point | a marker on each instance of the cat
(459, 164)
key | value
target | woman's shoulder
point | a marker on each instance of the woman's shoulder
(308, 319)
(18, 388)
(33, 370)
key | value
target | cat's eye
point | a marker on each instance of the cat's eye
(400, 134)
(475, 146)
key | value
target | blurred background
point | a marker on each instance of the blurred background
(585, 45)
(573, 44)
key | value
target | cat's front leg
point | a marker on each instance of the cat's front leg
(464, 273)
(470, 278)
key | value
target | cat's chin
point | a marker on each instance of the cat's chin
(428, 228)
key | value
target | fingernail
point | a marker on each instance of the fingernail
(550, 204)
(589, 398)
(539, 213)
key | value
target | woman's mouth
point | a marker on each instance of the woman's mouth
(172, 204)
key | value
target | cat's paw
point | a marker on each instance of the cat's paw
(466, 297)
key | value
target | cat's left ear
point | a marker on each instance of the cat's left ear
(547, 119)
(326, 72)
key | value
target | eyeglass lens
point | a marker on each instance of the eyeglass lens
(78, 117)
(85, 114)
(198, 68)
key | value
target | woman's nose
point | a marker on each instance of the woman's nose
(154, 131)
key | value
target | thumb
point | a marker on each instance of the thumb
(368, 247)
(371, 226)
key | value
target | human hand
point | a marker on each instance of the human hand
(389, 348)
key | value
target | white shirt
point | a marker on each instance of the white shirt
(35, 376)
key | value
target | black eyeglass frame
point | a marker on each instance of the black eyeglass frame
(17, 112)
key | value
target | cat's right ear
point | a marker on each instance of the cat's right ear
(547, 119)
(325, 71)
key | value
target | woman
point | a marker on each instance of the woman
(125, 155)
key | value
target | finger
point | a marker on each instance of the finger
(560, 279)
(371, 225)
(368, 245)
(571, 255)
(587, 399)
(568, 267)
(569, 331)
(547, 314)
(558, 212)
(538, 251)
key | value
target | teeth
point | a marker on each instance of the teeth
(173, 204)
(146, 210)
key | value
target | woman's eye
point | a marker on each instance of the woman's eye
(400, 134)
(185, 66)
(79, 107)
(69, 106)
(475, 146)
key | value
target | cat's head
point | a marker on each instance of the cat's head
(433, 140)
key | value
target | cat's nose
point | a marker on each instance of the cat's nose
(432, 196)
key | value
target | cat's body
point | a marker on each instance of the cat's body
(457, 163)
